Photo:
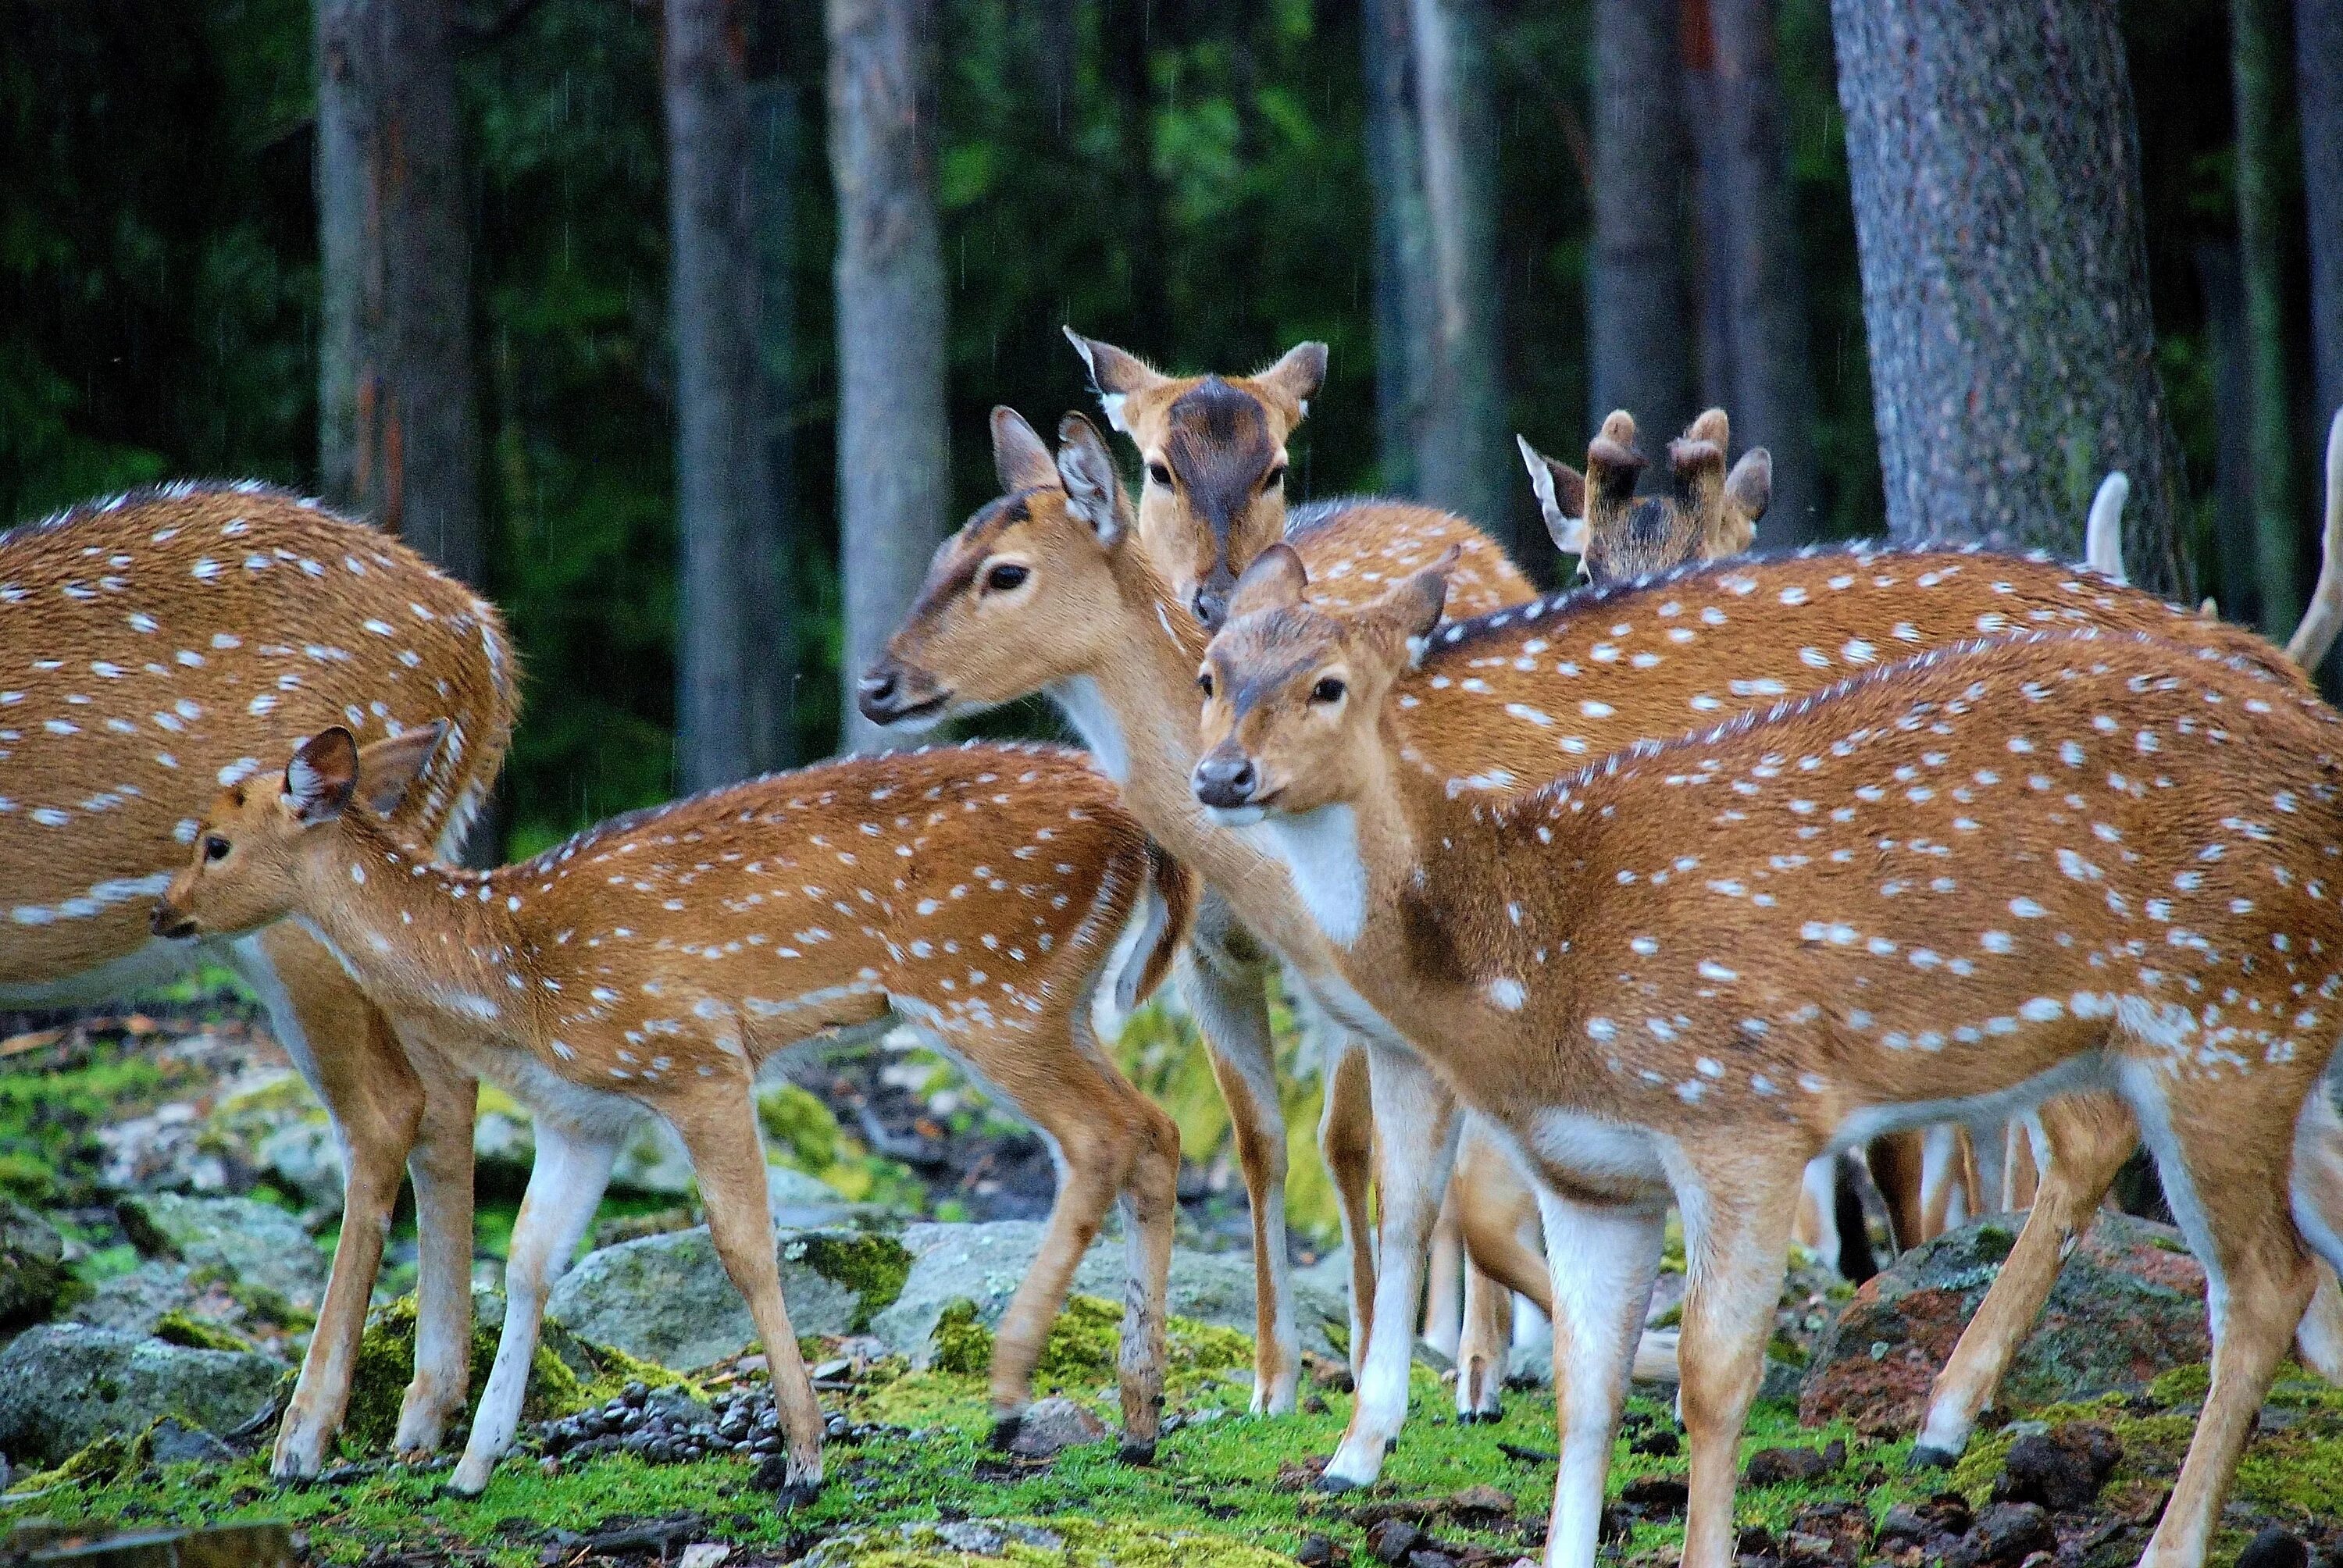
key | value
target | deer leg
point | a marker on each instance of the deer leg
(1443, 1291)
(1151, 1206)
(719, 1128)
(565, 1186)
(1346, 1142)
(2229, 1193)
(1606, 1258)
(1416, 1122)
(1895, 1159)
(1494, 1206)
(2318, 1192)
(1483, 1345)
(371, 1091)
(2091, 1136)
(1940, 1174)
(1232, 1011)
(441, 1170)
(1736, 1245)
(1818, 1222)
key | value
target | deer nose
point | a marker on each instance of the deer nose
(1211, 607)
(1225, 780)
(166, 921)
(880, 692)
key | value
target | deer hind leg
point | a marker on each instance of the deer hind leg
(441, 1170)
(1416, 1123)
(1232, 1009)
(1941, 1173)
(719, 1128)
(1346, 1142)
(2318, 1194)
(2090, 1137)
(349, 1055)
(565, 1186)
(1604, 1259)
(1895, 1161)
(1736, 1244)
(1444, 1279)
(2228, 1184)
(1816, 1226)
(1151, 1208)
(1494, 1207)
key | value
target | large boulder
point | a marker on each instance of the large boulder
(984, 1264)
(2129, 1304)
(240, 1239)
(32, 1265)
(666, 1299)
(63, 1385)
(504, 1143)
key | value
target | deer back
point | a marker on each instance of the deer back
(160, 645)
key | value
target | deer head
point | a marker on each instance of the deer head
(1213, 496)
(1597, 516)
(1292, 695)
(254, 847)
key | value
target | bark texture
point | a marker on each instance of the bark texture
(2256, 68)
(1640, 329)
(1403, 254)
(1756, 362)
(892, 479)
(1995, 173)
(399, 422)
(2319, 89)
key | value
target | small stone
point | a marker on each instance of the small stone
(1800, 1547)
(1420, 1558)
(703, 1554)
(169, 1442)
(2273, 1548)
(2004, 1536)
(972, 1536)
(1660, 1495)
(1315, 1551)
(1754, 1541)
(2061, 1469)
(1776, 1466)
(1659, 1443)
(1483, 1499)
(1053, 1425)
(1392, 1540)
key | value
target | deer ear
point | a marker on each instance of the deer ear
(1093, 489)
(1019, 457)
(1114, 375)
(1296, 377)
(1750, 485)
(1562, 498)
(1412, 608)
(1274, 581)
(322, 776)
(389, 768)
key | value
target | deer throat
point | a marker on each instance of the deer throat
(1319, 850)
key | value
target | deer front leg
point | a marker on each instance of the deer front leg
(565, 1186)
(719, 1128)
(1737, 1216)
(1485, 1338)
(441, 1169)
(1227, 1000)
(1604, 1259)
(1346, 1142)
(1416, 1122)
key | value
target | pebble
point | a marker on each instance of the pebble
(667, 1428)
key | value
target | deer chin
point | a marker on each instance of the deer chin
(1236, 816)
(925, 717)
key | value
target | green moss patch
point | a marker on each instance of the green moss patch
(386, 1363)
(176, 1328)
(872, 1266)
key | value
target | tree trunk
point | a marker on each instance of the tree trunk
(1464, 461)
(1759, 367)
(2236, 579)
(776, 139)
(2256, 66)
(1640, 325)
(398, 426)
(892, 480)
(1403, 254)
(1995, 173)
(2318, 88)
(724, 490)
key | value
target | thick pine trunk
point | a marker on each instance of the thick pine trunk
(1995, 173)
(1757, 364)
(892, 481)
(398, 424)
(2319, 89)
(2256, 66)
(724, 490)
(1640, 329)
(1403, 254)
(1462, 458)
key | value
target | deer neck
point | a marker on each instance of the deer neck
(1356, 855)
(423, 940)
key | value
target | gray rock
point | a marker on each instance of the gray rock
(985, 1263)
(254, 1242)
(62, 1384)
(667, 1298)
(305, 1157)
(133, 1303)
(32, 1263)
(799, 1201)
(652, 1164)
(173, 1441)
(1053, 1425)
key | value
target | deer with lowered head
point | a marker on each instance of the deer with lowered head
(654, 963)
(159, 645)
(1499, 701)
(1988, 875)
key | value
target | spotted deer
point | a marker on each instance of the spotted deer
(653, 964)
(1996, 872)
(1214, 458)
(158, 645)
(1596, 516)
(1082, 612)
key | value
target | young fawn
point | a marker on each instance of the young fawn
(159, 645)
(1989, 875)
(655, 962)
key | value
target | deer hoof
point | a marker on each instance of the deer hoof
(1133, 1451)
(1927, 1457)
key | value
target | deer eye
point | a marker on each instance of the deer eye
(1159, 473)
(1329, 689)
(1005, 576)
(1205, 683)
(215, 848)
(1275, 477)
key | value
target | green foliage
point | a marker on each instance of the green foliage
(872, 1266)
(963, 1345)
